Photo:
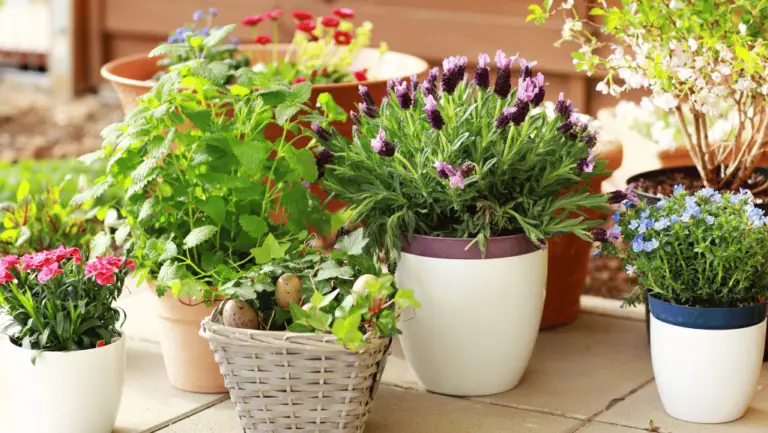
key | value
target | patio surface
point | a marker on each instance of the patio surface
(593, 376)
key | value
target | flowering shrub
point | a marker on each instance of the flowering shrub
(701, 52)
(662, 127)
(213, 182)
(57, 303)
(202, 46)
(705, 249)
(465, 158)
(343, 293)
(322, 50)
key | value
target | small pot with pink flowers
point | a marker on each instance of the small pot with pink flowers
(64, 342)
(461, 182)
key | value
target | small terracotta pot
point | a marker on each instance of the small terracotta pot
(568, 255)
(189, 362)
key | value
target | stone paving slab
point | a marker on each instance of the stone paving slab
(643, 406)
(405, 411)
(576, 370)
(598, 427)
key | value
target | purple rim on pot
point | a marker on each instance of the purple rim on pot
(456, 248)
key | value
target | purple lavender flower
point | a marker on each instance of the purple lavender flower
(323, 158)
(466, 168)
(614, 234)
(213, 12)
(321, 133)
(444, 170)
(586, 165)
(204, 31)
(538, 96)
(526, 91)
(454, 69)
(619, 196)
(505, 118)
(234, 40)
(391, 85)
(369, 110)
(590, 139)
(365, 95)
(414, 85)
(564, 108)
(404, 98)
(503, 85)
(430, 85)
(381, 145)
(519, 113)
(457, 181)
(197, 16)
(525, 69)
(355, 117)
(600, 235)
(433, 113)
(483, 72)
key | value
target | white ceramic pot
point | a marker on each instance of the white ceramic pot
(479, 320)
(706, 375)
(65, 392)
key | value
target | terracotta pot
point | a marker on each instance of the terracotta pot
(189, 362)
(130, 76)
(568, 255)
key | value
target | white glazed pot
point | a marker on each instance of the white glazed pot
(479, 320)
(706, 375)
(65, 392)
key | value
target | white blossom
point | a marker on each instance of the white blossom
(692, 44)
(685, 74)
(724, 69)
(677, 4)
(716, 77)
(567, 4)
(602, 87)
(665, 101)
(701, 83)
(742, 28)
(744, 84)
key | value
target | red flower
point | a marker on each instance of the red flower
(101, 343)
(342, 38)
(104, 268)
(253, 20)
(330, 22)
(344, 13)
(306, 26)
(298, 80)
(5, 276)
(301, 15)
(49, 272)
(9, 262)
(275, 14)
(263, 39)
(361, 75)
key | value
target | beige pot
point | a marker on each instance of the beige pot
(189, 362)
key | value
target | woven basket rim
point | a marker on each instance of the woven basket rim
(210, 327)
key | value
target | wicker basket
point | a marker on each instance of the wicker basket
(283, 382)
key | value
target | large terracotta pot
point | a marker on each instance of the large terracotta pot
(189, 361)
(130, 76)
(569, 255)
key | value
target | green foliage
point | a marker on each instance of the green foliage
(213, 182)
(329, 303)
(65, 313)
(700, 250)
(42, 221)
(204, 50)
(522, 179)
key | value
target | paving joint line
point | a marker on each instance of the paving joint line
(611, 404)
(187, 414)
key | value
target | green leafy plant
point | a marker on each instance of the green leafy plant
(701, 250)
(694, 56)
(58, 303)
(199, 43)
(343, 292)
(213, 182)
(464, 159)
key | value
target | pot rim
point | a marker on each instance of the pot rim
(106, 73)
(499, 247)
(704, 318)
(115, 342)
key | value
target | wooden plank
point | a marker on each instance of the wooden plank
(95, 39)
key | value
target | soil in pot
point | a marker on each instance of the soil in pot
(661, 183)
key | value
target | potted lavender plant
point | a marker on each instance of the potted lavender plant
(461, 182)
